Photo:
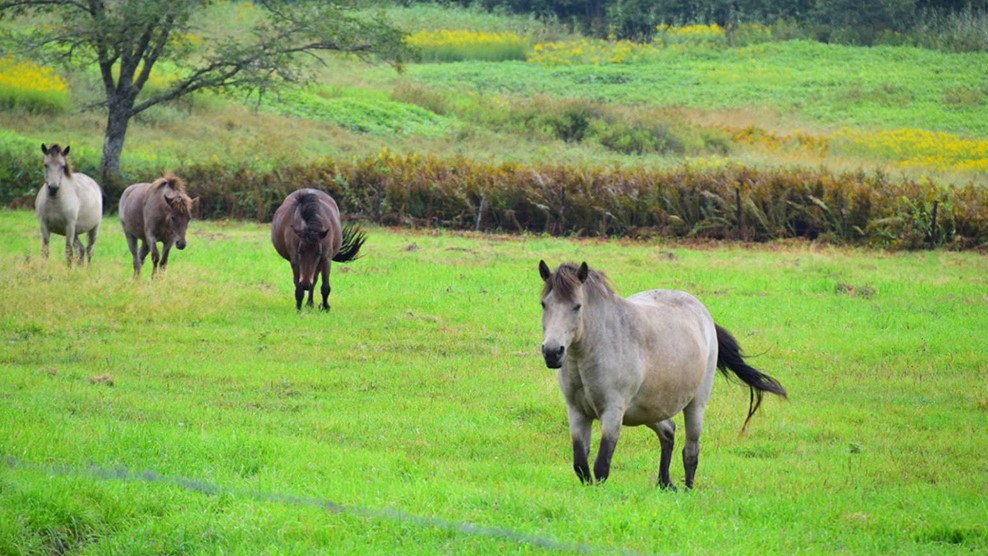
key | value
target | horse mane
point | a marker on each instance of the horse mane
(308, 209)
(178, 185)
(56, 150)
(564, 281)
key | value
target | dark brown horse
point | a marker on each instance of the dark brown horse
(154, 212)
(306, 231)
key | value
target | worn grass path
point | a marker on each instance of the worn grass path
(201, 414)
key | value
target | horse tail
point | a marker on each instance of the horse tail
(730, 358)
(353, 239)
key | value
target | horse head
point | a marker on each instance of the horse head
(309, 254)
(179, 208)
(563, 297)
(56, 167)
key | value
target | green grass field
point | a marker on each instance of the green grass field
(200, 413)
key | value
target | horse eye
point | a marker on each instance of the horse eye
(577, 307)
(542, 303)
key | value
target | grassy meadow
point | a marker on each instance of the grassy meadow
(200, 413)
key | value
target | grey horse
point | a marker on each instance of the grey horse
(635, 361)
(70, 204)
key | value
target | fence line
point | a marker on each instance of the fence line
(121, 473)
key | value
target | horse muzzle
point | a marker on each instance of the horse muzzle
(180, 244)
(553, 355)
(53, 190)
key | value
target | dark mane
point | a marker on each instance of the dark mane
(309, 211)
(564, 281)
(56, 150)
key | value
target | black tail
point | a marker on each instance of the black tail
(353, 239)
(729, 357)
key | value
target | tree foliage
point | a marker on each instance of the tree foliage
(126, 40)
(845, 20)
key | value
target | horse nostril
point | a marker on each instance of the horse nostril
(560, 351)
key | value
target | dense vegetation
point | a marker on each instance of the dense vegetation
(951, 24)
(704, 132)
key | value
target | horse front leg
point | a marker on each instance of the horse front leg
(325, 287)
(45, 238)
(70, 240)
(666, 431)
(299, 289)
(579, 430)
(610, 431)
(166, 248)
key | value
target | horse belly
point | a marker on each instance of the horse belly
(54, 220)
(655, 408)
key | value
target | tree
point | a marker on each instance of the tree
(126, 39)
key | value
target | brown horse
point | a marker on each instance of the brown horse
(306, 231)
(154, 212)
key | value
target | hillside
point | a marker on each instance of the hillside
(901, 113)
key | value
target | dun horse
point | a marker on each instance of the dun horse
(306, 231)
(153, 212)
(70, 204)
(636, 361)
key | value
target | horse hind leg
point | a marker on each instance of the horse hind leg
(91, 243)
(666, 431)
(693, 419)
(82, 251)
(132, 246)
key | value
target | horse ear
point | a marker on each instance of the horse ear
(66, 151)
(583, 272)
(544, 271)
(195, 204)
(44, 149)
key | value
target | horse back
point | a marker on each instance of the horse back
(284, 238)
(90, 202)
(677, 334)
(132, 208)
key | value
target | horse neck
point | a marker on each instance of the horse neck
(604, 315)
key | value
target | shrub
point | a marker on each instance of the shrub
(459, 45)
(28, 86)
(697, 200)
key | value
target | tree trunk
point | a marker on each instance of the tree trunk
(118, 118)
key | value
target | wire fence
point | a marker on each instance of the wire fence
(152, 477)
